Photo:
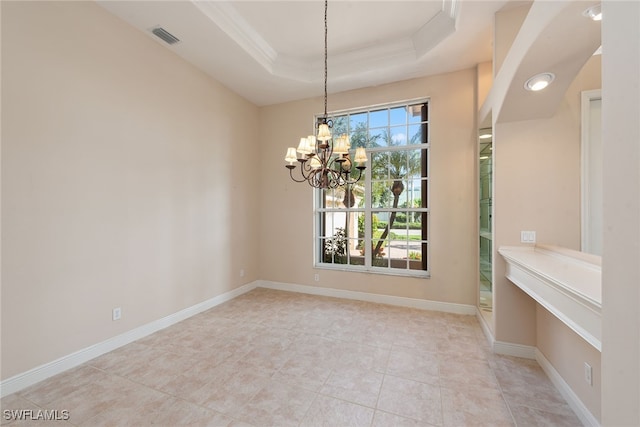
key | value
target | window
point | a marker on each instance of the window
(381, 223)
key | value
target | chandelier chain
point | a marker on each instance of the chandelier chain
(320, 165)
(326, 2)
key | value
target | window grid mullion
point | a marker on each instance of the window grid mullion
(367, 210)
(368, 234)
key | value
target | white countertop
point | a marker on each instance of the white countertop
(566, 282)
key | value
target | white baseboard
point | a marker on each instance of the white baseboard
(530, 352)
(40, 373)
(515, 350)
(376, 298)
(572, 399)
(504, 348)
(485, 328)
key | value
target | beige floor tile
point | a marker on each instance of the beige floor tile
(161, 369)
(277, 404)
(135, 404)
(361, 356)
(40, 419)
(467, 347)
(411, 399)
(310, 347)
(268, 357)
(43, 393)
(385, 419)
(314, 324)
(462, 373)
(282, 319)
(542, 398)
(308, 373)
(276, 336)
(354, 384)
(414, 365)
(327, 411)
(369, 332)
(18, 408)
(524, 383)
(89, 400)
(228, 396)
(205, 371)
(474, 407)
(525, 416)
(281, 358)
(418, 340)
(176, 412)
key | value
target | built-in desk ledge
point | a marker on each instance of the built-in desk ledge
(567, 283)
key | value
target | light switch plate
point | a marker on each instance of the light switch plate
(527, 237)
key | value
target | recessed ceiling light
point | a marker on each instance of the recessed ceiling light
(485, 136)
(539, 81)
(594, 12)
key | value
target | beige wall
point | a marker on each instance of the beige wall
(507, 24)
(568, 353)
(287, 207)
(485, 80)
(621, 237)
(120, 182)
(537, 187)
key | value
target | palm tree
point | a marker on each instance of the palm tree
(400, 165)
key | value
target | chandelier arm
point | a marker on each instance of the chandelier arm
(336, 179)
(305, 167)
(304, 178)
(315, 178)
(352, 181)
(332, 163)
(310, 179)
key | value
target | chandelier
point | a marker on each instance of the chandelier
(325, 161)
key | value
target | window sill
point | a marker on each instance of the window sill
(419, 274)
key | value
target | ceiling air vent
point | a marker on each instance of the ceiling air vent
(165, 35)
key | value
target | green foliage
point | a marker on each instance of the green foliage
(375, 227)
(335, 248)
(360, 137)
(375, 222)
(412, 225)
(390, 172)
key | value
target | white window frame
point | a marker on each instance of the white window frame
(368, 210)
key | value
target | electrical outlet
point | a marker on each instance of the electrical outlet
(242, 272)
(316, 277)
(117, 313)
(588, 372)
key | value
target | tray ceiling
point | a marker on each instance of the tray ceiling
(272, 51)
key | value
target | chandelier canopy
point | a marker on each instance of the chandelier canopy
(325, 160)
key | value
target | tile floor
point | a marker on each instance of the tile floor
(271, 358)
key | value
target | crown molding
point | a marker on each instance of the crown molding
(438, 28)
(229, 20)
(405, 50)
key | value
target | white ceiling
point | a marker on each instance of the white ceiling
(272, 51)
